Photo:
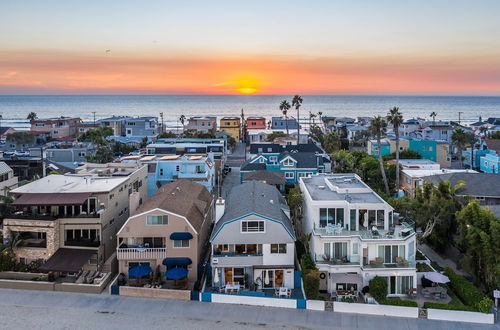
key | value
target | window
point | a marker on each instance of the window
(269, 149)
(177, 168)
(288, 162)
(331, 217)
(252, 226)
(355, 248)
(289, 175)
(278, 248)
(273, 159)
(153, 242)
(337, 250)
(184, 243)
(259, 150)
(391, 254)
(161, 172)
(157, 219)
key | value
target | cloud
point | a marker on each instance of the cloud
(8, 75)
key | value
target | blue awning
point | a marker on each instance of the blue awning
(140, 271)
(176, 273)
(180, 236)
(177, 261)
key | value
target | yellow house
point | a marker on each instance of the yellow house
(231, 125)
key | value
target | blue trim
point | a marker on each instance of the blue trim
(180, 236)
(206, 296)
(177, 261)
(195, 295)
(301, 304)
(214, 235)
(237, 255)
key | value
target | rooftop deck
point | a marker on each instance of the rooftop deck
(400, 232)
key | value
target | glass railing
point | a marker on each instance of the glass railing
(398, 232)
(379, 264)
(323, 259)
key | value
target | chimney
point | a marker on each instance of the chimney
(220, 206)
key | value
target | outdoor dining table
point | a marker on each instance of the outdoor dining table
(232, 287)
(435, 289)
(283, 292)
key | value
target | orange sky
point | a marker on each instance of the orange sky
(121, 72)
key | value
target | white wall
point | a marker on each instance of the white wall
(278, 259)
(460, 316)
(369, 309)
(315, 305)
(254, 301)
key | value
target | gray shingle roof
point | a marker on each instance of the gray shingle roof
(478, 184)
(4, 168)
(249, 166)
(255, 197)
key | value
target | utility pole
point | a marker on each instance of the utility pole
(93, 112)
(161, 116)
(459, 116)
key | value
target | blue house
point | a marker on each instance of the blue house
(293, 165)
(281, 123)
(490, 162)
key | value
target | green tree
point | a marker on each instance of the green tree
(297, 103)
(343, 162)
(32, 116)
(96, 136)
(182, 119)
(316, 133)
(378, 288)
(395, 118)
(404, 154)
(459, 138)
(433, 115)
(494, 135)
(378, 128)
(274, 135)
(294, 200)
(479, 237)
(21, 138)
(284, 107)
(167, 135)
(331, 142)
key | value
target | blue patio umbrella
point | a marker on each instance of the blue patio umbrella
(176, 273)
(139, 271)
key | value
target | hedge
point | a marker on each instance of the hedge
(378, 288)
(311, 284)
(435, 305)
(398, 302)
(468, 293)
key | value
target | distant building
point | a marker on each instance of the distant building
(282, 122)
(438, 131)
(4, 131)
(411, 128)
(203, 124)
(142, 126)
(231, 125)
(85, 127)
(416, 164)
(62, 128)
(490, 162)
(255, 123)
(26, 167)
(260, 135)
(7, 179)
(117, 123)
(413, 179)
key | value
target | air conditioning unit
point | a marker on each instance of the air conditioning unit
(215, 261)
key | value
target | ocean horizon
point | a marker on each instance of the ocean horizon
(15, 108)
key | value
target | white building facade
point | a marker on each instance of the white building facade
(355, 236)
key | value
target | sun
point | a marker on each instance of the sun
(242, 85)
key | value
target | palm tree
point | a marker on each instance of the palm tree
(297, 102)
(459, 138)
(433, 115)
(182, 119)
(471, 139)
(378, 128)
(395, 118)
(32, 116)
(311, 117)
(284, 107)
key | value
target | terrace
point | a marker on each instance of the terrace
(398, 232)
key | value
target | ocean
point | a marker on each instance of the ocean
(15, 108)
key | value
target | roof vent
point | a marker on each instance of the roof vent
(321, 187)
(271, 201)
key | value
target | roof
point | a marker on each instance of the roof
(275, 148)
(267, 177)
(51, 199)
(493, 144)
(261, 199)
(304, 159)
(71, 184)
(67, 260)
(494, 208)
(304, 147)
(4, 168)
(340, 187)
(230, 118)
(183, 197)
(477, 184)
(412, 173)
(249, 166)
(4, 129)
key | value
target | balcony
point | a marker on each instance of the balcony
(30, 216)
(193, 175)
(83, 243)
(344, 261)
(378, 264)
(399, 232)
(53, 216)
(141, 253)
(237, 259)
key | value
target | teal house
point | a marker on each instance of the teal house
(385, 147)
(293, 165)
(490, 162)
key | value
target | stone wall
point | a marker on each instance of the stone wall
(155, 293)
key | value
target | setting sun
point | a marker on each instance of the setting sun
(242, 85)
(246, 90)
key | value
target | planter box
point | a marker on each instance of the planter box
(460, 316)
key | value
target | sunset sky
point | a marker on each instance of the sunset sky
(264, 47)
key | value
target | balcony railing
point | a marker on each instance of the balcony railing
(86, 243)
(398, 233)
(379, 264)
(323, 259)
(28, 216)
(51, 217)
(141, 253)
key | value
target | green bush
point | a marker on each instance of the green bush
(398, 302)
(420, 255)
(378, 288)
(436, 305)
(423, 268)
(307, 263)
(468, 293)
(311, 284)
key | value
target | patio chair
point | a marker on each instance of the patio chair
(378, 260)
(399, 260)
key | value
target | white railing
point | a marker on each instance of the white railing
(141, 253)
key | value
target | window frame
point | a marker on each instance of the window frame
(163, 216)
(252, 231)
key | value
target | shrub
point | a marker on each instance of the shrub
(468, 293)
(435, 305)
(307, 263)
(378, 288)
(423, 268)
(348, 299)
(398, 302)
(420, 255)
(311, 284)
